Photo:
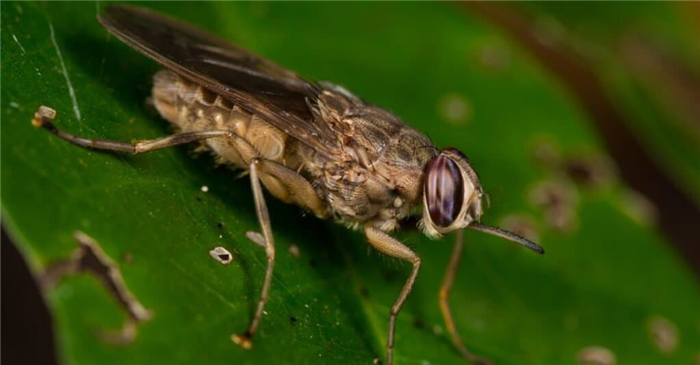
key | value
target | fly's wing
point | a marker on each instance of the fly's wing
(261, 87)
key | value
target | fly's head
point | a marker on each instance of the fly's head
(451, 194)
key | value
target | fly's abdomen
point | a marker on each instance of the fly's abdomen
(191, 107)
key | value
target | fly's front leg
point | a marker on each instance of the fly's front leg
(445, 306)
(290, 187)
(44, 116)
(392, 247)
(267, 241)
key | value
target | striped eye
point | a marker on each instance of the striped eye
(444, 190)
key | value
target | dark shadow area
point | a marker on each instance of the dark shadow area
(27, 335)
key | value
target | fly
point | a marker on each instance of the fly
(315, 145)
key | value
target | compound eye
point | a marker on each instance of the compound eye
(444, 191)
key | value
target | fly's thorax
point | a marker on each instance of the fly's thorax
(376, 178)
(191, 107)
(374, 200)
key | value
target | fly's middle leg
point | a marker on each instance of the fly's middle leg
(267, 241)
(388, 245)
(286, 185)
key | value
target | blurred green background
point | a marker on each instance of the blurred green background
(582, 120)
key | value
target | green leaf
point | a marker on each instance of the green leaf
(649, 60)
(447, 74)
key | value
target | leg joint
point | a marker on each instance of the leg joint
(416, 262)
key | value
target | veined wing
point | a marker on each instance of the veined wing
(277, 95)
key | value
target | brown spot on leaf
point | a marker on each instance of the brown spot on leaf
(558, 200)
(664, 334)
(545, 152)
(455, 109)
(91, 259)
(495, 56)
(596, 355)
(590, 171)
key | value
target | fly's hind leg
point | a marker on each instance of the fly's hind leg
(445, 306)
(388, 245)
(44, 116)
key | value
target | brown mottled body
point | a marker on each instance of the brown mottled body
(311, 144)
(375, 178)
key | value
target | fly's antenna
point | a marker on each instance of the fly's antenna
(510, 236)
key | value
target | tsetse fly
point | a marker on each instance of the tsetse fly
(313, 144)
